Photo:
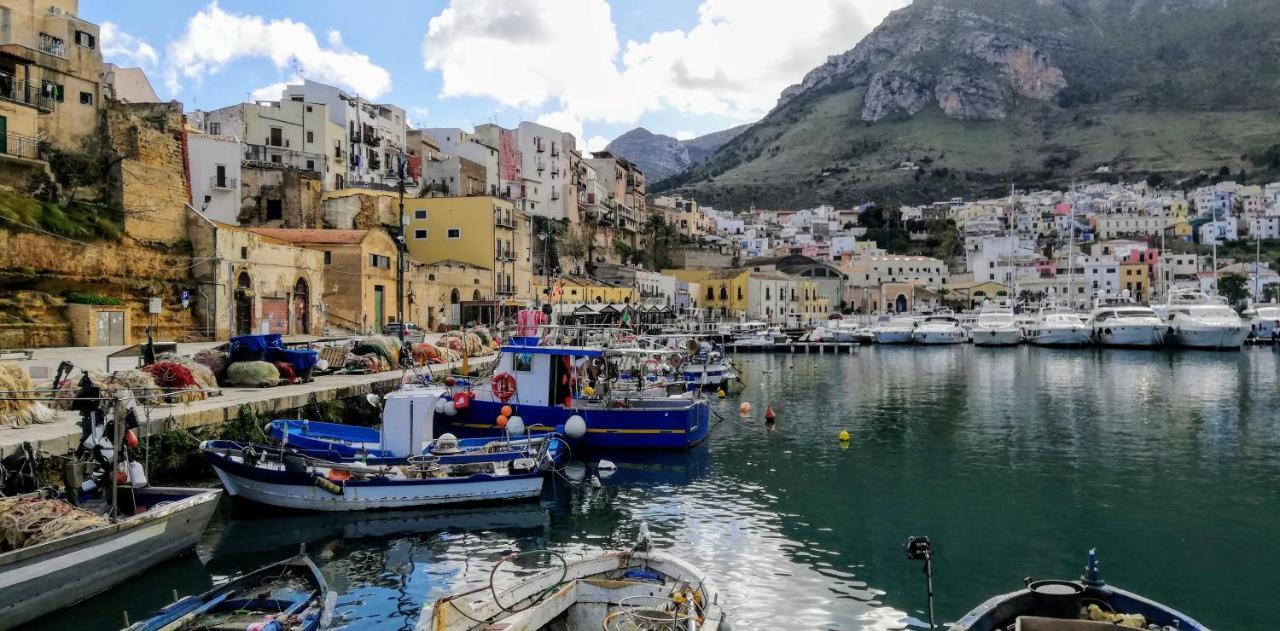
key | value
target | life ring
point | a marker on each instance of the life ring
(462, 400)
(504, 386)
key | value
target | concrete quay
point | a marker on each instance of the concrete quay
(61, 437)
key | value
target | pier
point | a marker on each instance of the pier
(817, 348)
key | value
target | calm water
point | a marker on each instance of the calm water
(1015, 462)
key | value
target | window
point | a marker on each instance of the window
(86, 98)
(276, 158)
(523, 362)
(86, 39)
(420, 233)
(275, 209)
(328, 257)
(51, 90)
(308, 133)
(419, 214)
(311, 136)
(215, 129)
(453, 233)
(276, 139)
(297, 98)
(244, 252)
(377, 260)
(311, 165)
(220, 176)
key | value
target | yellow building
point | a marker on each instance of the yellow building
(1181, 229)
(724, 291)
(451, 284)
(1136, 278)
(50, 74)
(483, 231)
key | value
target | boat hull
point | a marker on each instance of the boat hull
(938, 338)
(1211, 337)
(990, 615)
(708, 376)
(893, 337)
(1064, 337)
(333, 441)
(1130, 336)
(56, 574)
(661, 424)
(298, 491)
(996, 337)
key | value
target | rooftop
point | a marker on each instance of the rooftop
(311, 235)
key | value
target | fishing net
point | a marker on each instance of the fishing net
(215, 361)
(387, 347)
(287, 375)
(14, 380)
(252, 374)
(370, 363)
(28, 521)
(424, 353)
(184, 379)
(483, 333)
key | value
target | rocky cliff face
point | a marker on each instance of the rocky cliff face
(661, 157)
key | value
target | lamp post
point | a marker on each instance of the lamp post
(542, 237)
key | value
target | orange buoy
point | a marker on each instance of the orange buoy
(745, 408)
(502, 420)
(768, 413)
(506, 410)
(131, 439)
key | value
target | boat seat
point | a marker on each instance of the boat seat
(1036, 623)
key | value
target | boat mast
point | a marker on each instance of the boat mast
(1215, 246)
(1071, 243)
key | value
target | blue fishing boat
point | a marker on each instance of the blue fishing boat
(1083, 605)
(569, 390)
(291, 594)
(286, 478)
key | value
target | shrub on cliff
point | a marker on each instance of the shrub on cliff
(76, 220)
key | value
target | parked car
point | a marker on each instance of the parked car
(411, 330)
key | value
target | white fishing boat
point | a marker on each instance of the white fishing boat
(939, 329)
(1198, 320)
(1118, 321)
(1264, 322)
(995, 327)
(1059, 328)
(765, 337)
(634, 589)
(895, 330)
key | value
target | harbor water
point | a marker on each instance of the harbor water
(1014, 461)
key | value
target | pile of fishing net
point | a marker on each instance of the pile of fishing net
(216, 361)
(184, 379)
(486, 337)
(370, 363)
(253, 374)
(385, 346)
(28, 521)
(469, 343)
(424, 354)
(20, 413)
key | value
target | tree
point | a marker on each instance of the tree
(661, 239)
(1233, 287)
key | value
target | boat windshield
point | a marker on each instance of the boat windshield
(941, 320)
(1064, 317)
(1134, 313)
(902, 322)
(995, 318)
(1215, 312)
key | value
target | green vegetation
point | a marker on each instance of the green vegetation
(81, 220)
(660, 241)
(91, 299)
(1233, 287)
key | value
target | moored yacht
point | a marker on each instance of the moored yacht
(1119, 321)
(1059, 328)
(937, 329)
(1198, 320)
(895, 330)
(996, 327)
(1264, 322)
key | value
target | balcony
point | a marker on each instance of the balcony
(506, 290)
(19, 146)
(53, 45)
(555, 195)
(222, 183)
(504, 222)
(275, 142)
(24, 92)
(284, 157)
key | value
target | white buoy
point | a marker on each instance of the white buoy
(450, 409)
(595, 482)
(440, 406)
(515, 426)
(606, 465)
(373, 400)
(575, 427)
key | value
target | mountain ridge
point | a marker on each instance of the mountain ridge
(661, 156)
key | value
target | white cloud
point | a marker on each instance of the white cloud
(124, 49)
(564, 57)
(597, 143)
(563, 121)
(215, 39)
(418, 117)
(270, 92)
(685, 135)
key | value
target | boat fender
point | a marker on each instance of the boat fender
(575, 427)
(327, 485)
(137, 474)
(595, 482)
(606, 465)
(769, 415)
(462, 400)
(523, 464)
(720, 394)
(515, 426)
(745, 408)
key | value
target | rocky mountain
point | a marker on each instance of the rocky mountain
(962, 96)
(661, 157)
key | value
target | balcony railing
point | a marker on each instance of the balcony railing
(504, 222)
(20, 146)
(372, 140)
(53, 45)
(222, 183)
(284, 157)
(25, 92)
(277, 142)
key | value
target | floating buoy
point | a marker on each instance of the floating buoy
(768, 413)
(595, 482)
(589, 391)
(450, 381)
(131, 439)
(506, 410)
(720, 393)
(502, 421)
(844, 436)
(745, 408)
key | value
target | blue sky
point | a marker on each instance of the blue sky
(592, 67)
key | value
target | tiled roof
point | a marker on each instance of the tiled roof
(305, 235)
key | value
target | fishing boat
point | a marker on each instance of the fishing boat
(1118, 321)
(639, 588)
(1198, 320)
(291, 594)
(1264, 322)
(995, 326)
(764, 337)
(939, 329)
(335, 441)
(896, 330)
(159, 523)
(1059, 328)
(278, 477)
(1088, 604)
(571, 390)
(707, 368)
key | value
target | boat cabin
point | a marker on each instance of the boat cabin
(544, 375)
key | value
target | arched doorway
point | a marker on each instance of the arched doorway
(455, 306)
(900, 305)
(301, 322)
(244, 305)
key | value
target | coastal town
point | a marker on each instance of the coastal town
(282, 347)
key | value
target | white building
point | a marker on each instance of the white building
(375, 133)
(215, 176)
(455, 142)
(1102, 273)
(1224, 229)
(1265, 227)
(545, 170)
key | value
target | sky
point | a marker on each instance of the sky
(595, 68)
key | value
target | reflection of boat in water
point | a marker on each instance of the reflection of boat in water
(1088, 604)
(255, 532)
(676, 468)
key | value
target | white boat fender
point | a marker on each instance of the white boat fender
(524, 464)
(595, 482)
(137, 474)
(575, 427)
(515, 426)
(606, 465)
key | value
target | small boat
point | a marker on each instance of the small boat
(278, 477)
(1198, 320)
(162, 523)
(1121, 322)
(996, 327)
(1088, 604)
(897, 330)
(634, 589)
(939, 329)
(335, 441)
(767, 337)
(291, 594)
(1264, 323)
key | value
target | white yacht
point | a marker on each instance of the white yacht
(1264, 322)
(940, 329)
(895, 330)
(1059, 327)
(766, 337)
(995, 327)
(1119, 321)
(1198, 320)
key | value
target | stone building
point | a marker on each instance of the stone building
(253, 283)
(277, 195)
(152, 174)
(360, 209)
